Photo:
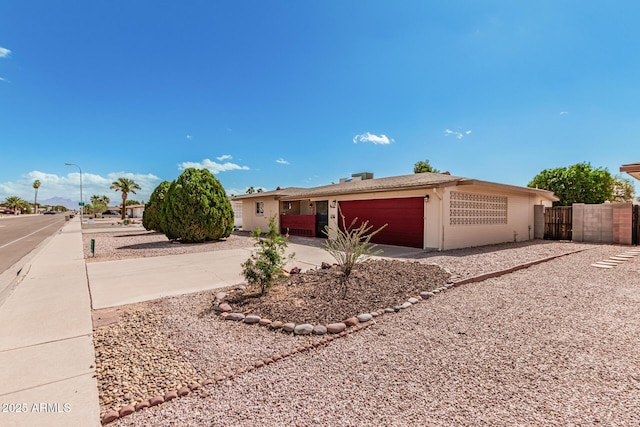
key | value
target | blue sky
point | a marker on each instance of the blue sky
(301, 93)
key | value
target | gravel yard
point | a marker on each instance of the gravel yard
(554, 344)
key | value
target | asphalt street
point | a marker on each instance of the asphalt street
(20, 234)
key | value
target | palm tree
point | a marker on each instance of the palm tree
(126, 186)
(251, 190)
(15, 203)
(36, 185)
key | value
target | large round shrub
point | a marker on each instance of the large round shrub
(152, 215)
(196, 208)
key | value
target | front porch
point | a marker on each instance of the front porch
(304, 218)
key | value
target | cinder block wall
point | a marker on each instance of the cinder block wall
(592, 223)
(622, 223)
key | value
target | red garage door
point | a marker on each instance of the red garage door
(405, 219)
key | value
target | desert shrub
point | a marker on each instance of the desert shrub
(350, 245)
(196, 208)
(152, 215)
(265, 265)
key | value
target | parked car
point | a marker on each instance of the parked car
(112, 213)
(49, 212)
(7, 212)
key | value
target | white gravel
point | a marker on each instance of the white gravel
(554, 344)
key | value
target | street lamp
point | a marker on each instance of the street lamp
(81, 200)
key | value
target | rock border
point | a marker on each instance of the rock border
(332, 332)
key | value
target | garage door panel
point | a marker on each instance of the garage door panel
(404, 219)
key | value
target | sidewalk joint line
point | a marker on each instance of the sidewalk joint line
(47, 342)
(45, 384)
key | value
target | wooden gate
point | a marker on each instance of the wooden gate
(635, 233)
(557, 223)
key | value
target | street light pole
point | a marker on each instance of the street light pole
(81, 200)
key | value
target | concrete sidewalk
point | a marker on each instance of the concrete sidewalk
(47, 360)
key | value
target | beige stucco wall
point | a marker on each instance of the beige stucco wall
(251, 220)
(519, 226)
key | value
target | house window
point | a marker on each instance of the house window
(259, 208)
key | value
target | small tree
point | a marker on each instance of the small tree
(348, 245)
(424, 166)
(580, 183)
(196, 208)
(265, 265)
(623, 190)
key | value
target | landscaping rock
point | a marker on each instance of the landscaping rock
(365, 317)
(406, 305)
(156, 400)
(264, 322)
(289, 327)
(295, 270)
(303, 329)
(220, 296)
(413, 300)
(352, 321)
(129, 409)
(319, 330)
(325, 265)
(142, 405)
(389, 310)
(110, 416)
(235, 316)
(251, 319)
(224, 307)
(170, 395)
(426, 295)
(276, 325)
(184, 391)
(336, 328)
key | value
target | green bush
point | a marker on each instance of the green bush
(265, 265)
(152, 215)
(196, 208)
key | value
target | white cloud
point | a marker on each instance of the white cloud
(225, 157)
(282, 161)
(562, 113)
(189, 137)
(212, 166)
(375, 139)
(4, 52)
(457, 135)
(68, 186)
